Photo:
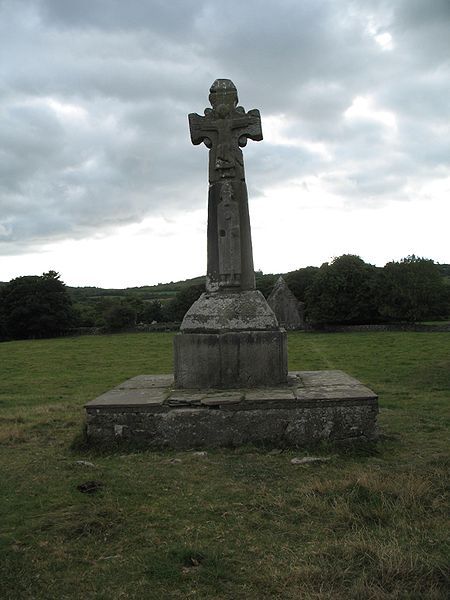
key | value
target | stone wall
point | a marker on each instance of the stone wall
(185, 428)
(445, 327)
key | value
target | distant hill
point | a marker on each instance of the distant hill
(161, 291)
(166, 291)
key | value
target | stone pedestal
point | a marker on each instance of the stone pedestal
(230, 340)
(230, 360)
(310, 407)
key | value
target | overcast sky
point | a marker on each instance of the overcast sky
(99, 179)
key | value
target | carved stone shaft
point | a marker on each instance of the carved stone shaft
(224, 129)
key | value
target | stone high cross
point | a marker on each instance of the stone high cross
(224, 130)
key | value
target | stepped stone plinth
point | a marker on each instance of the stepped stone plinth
(311, 407)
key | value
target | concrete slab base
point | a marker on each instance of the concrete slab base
(312, 406)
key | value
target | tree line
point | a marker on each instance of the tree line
(345, 291)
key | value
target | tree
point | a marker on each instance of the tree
(175, 309)
(119, 316)
(152, 312)
(101, 306)
(36, 306)
(85, 314)
(300, 281)
(135, 303)
(413, 289)
(344, 291)
(265, 283)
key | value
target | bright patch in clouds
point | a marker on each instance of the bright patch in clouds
(363, 108)
(67, 111)
(276, 132)
(384, 40)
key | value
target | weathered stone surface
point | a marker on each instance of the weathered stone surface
(340, 412)
(230, 360)
(263, 394)
(350, 392)
(131, 397)
(147, 381)
(224, 129)
(323, 378)
(244, 311)
(288, 310)
(223, 399)
(185, 398)
(230, 336)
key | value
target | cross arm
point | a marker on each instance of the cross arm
(200, 132)
(250, 123)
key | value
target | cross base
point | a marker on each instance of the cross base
(312, 406)
(231, 359)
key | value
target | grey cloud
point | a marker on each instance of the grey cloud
(169, 18)
(133, 70)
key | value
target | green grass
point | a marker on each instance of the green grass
(242, 523)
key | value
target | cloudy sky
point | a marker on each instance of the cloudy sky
(99, 179)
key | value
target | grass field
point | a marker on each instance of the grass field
(234, 524)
